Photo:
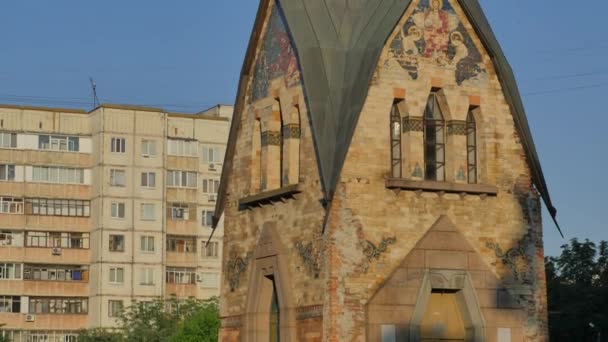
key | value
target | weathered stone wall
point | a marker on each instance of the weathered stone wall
(370, 229)
(504, 230)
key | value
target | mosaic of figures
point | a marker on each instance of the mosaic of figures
(277, 59)
(435, 33)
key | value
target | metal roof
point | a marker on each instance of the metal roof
(338, 44)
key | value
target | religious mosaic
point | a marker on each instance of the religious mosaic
(518, 258)
(373, 252)
(277, 59)
(434, 33)
(235, 269)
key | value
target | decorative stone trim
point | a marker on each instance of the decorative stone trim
(310, 258)
(308, 312)
(269, 197)
(412, 124)
(371, 251)
(232, 322)
(515, 258)
(270, 138)
(447, 187)
(235, 268)
(291, 131)
(457, 127)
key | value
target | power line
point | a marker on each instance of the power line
(562, 90)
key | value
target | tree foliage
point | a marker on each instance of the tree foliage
(577, 284)
(162, 321)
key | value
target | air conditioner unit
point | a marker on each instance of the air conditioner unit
(30, 318)
(212, 198)
(56, 251)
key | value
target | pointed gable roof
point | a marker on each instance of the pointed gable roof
(338, 44)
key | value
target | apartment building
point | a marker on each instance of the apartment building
(103, 208)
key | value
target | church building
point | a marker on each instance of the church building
(380, 181)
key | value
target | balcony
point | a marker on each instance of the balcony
(12, 221)
(177, 227)
(65, 256)
(76, 224)
(182, 163)
(180, 290)
(45, 190)
(182, 259)
(55, 288)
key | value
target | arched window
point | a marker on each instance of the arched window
(275, 317)
(434, 140)
(471, 147)
(396, 141)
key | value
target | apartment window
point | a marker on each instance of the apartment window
(9, 271)
(58, 207)
(8, 140)
(118, 145)
(211, 250)
(207, 218)
(179, 275)
(434, 140)
(212, 155)
(55, 273)
(117, 243)
(58, 143)
(147, 243)
(210, 280)
(148, 179)
(148, 148)
(7, 172)
(179, 211)
(9, 238)
(180, 147)
(58, 305)
(181, 179)
(395, 140)
(147, 276)
(61, 175)
(11, 205)
(118, 210)
(117, 177)
(211, 186)
(57, 240)
(181, 244)
(10, 304)
(117, 275)
(148, 212)
(115, 308)
(472, 147)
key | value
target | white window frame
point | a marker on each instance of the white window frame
(111, 243)
(212, 154)
(207, 218)
(211, 251)
(11, 271)
(11, 205)
(7, 172)
(57, 175)
(148, 148)
(180, 211)
(118, 145)
(147, 276)
(59, 143)
(10, 238)
(148, 212)
(148, 180)
(182, 179)
(211, 186)
(118, 177)
(8, 140)
(117, 275)
(115, 307)
(182, 147)
(115, 210)
(146, 244)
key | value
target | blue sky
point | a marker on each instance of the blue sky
(186, 56)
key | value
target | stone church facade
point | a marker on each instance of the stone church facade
(380, 182)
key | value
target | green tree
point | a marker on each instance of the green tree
(202, 326)
(100, 335)
(578, 292)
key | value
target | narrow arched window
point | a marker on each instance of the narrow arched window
(275, 316)
(471, 147)
(434, 140)
(396, 141)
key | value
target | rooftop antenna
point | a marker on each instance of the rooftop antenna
(94, 87)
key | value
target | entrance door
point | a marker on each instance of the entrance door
(442, 320)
